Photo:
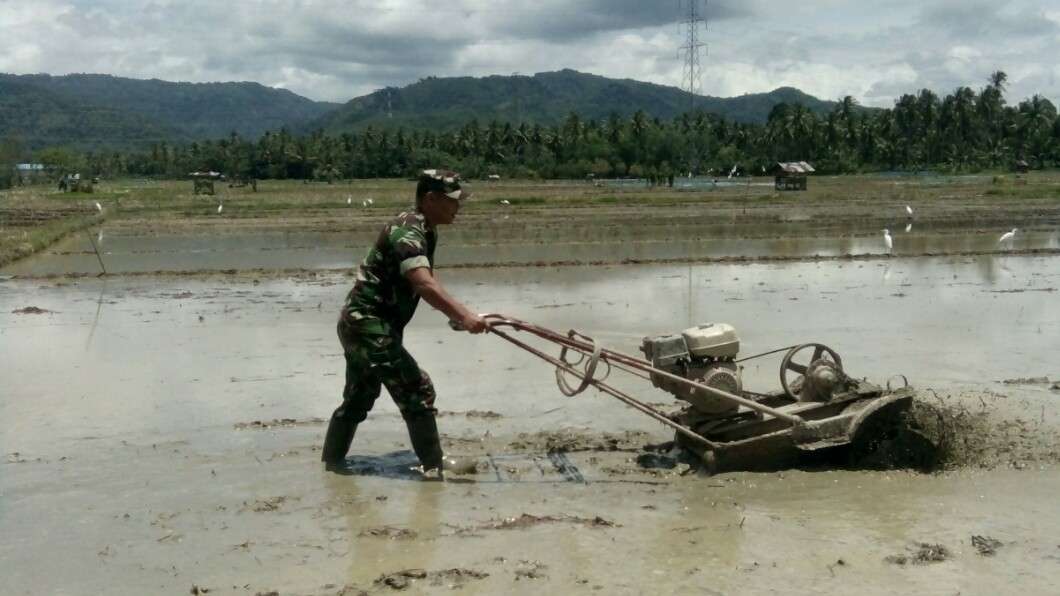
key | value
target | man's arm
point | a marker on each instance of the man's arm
(432, 291)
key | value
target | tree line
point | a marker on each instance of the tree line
(966, 130)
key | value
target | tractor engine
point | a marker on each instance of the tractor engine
(704, 354)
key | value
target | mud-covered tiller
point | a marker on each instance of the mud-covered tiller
(819, 409)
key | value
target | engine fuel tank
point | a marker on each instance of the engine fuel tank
(713, 340)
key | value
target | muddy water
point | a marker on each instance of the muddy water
(128, 458)
(122, 252)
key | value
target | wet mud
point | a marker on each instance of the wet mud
(278, 423)
(1027, 381)
(969, 431)
(526, 520)
(572, 440)
(482, 414)
(390, 533)
(448, 578)
(31, 310)
(922, 553)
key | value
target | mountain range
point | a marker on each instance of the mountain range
(93, 111)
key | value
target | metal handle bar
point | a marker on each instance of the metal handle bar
(587, 348)
(562, 366)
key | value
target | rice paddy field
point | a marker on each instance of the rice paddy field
(160, 423)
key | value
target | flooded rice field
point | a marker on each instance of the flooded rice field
(127, 251)
(161, 433)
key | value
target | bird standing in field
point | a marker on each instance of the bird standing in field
(887, 240)
(349, 200)
(220, 208)
(909, 211)
(370, 201)
(99, 207)
(505, 202)
(1007, 236)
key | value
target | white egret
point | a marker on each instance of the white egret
(909, 210)
(364, 204)
(887, 239)
(220, 208)
(1007, 236)
(505, 202)
(908, 227)
(370, 201)
(349, 200)
(99, 207)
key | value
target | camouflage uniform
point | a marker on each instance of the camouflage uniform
(377, 309)
(370, 330)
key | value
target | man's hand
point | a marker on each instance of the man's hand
(473, 323)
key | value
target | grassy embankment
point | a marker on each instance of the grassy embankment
(33, 218)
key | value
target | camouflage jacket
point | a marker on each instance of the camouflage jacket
(381, 290)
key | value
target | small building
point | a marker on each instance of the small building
(203, 182)
(30, 173)
(792, 175)
(75, 183)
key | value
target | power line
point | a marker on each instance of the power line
(694, 48)
(692, 76)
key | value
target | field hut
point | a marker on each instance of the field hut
(792, 175)
(30, 173)
(75, 183)
(203, 182)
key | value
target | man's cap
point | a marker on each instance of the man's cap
(446, 182)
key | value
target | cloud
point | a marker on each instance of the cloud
(564, 20)
(339, 49)
(979, 19)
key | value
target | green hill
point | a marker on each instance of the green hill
(40, 118)
(90, 110)
(545, 98)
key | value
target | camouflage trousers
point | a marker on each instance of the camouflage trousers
(374, 358)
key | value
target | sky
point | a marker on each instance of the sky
(335, 50)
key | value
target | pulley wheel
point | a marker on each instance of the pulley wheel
(789, 365)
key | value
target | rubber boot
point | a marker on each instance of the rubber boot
(337, 444)
(423, 431)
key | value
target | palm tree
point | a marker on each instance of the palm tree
(1036, 121)
(998, 79)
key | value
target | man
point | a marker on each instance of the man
(397, 272)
